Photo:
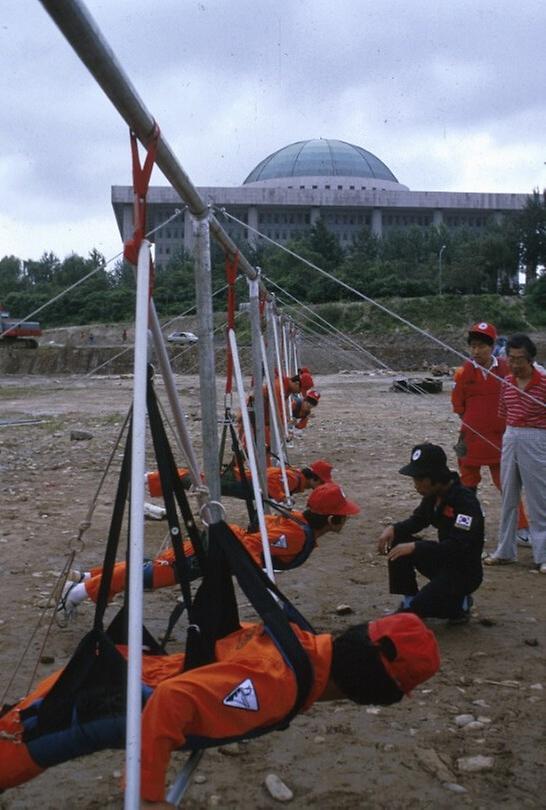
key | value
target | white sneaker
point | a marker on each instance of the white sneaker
(542, 568)
(153, 512)
(67, 607)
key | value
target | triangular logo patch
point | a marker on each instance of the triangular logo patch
(243, 697)
(281, 542)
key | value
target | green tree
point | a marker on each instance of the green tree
(531, 228)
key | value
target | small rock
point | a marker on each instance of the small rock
(537, 686)
(454, 787)
(487, 622)
(475, 725)
(475, 764)
(230, 750)
(344, 610)
(319, 739)
(116, 774)
(214, 800)
(199, 779)
(484, 720)
(482, 703)
(80, 436)
(47, 659)
(277, 789)
(531, 642)
(373, 710)
(463, 720)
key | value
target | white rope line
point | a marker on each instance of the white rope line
(163, 326)
(462, 423)
(372, 301)
(345, 336)
(85, 278)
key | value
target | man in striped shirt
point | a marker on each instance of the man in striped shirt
(523, 460)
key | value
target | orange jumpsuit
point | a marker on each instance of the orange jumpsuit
(476, 398)
(290, 544)
(249, 686)
(275, 488)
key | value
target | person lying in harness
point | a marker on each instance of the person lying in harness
(298, 479)
(292, 538)
(247, 690)
(303, 407)
(452, 565)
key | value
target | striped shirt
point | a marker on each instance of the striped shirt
(520, 410)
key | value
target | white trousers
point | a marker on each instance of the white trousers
(523, 463)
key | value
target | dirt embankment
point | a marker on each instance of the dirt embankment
(75, 350)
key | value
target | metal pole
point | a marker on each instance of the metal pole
(172, 394)
(270, 354)
(83, 34)
(285, 344)
(257, 373)
(207, 372)
(275, 425)
(440, 269)
(278, 364)
(138, 468)
(251, 457)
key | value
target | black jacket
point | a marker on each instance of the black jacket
(458, 518)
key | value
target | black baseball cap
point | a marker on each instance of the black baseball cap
(427, 461)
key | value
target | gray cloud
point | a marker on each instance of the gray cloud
(444, 93)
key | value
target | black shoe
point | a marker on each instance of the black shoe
(463, 617)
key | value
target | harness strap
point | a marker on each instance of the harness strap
(141, 182)
(228, 556)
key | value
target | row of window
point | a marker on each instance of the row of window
(405, 219)
(340, 188)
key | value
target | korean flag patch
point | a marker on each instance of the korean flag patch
(463, 522)
(243, 697)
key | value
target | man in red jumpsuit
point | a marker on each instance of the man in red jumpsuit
(291, 540)
(476, 397)
(249, 686)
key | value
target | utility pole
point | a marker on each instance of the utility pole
(440, 254)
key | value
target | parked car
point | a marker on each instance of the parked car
(185, 338)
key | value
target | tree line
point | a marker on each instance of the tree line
(407, 262)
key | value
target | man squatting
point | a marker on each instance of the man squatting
(453, 564)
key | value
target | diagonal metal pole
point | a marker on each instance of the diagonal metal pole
(85, 37)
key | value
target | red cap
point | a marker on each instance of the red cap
(416, 653)
(323, 469)
(314, 395)
(329, 499)
(306, 382)
(484, 328)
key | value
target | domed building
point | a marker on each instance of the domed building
(345, 185)
(323, 163)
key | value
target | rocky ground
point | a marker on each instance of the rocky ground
(338, 756)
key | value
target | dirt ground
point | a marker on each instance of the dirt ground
(338, 756)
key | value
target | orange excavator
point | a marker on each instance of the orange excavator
(18, 333)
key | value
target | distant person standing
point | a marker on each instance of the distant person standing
(476, 397)
(124, 336)
(523, 461)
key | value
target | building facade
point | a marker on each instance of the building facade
(346, 186)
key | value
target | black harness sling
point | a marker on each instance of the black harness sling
(85, 709)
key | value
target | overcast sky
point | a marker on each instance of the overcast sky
(448, 93)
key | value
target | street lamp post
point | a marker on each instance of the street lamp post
(440, 254)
